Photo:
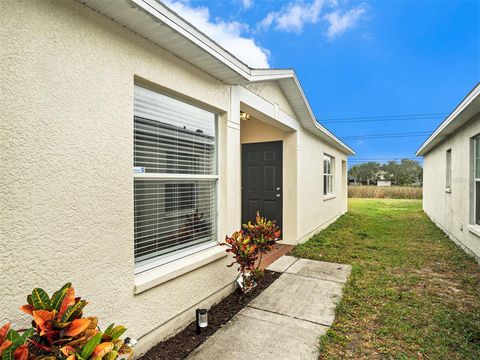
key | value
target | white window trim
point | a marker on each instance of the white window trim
(329, 195)
(179, 254)
(173, 266)
(180, 262)
(474, 229)
(449, 171)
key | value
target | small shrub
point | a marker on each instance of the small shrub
(60, 332)
(248, 247)
(265, 234)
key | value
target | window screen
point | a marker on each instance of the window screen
(175, 188)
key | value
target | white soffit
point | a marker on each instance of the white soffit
(156, 22)
(468, 108)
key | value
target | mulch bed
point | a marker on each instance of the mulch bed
(182, 344)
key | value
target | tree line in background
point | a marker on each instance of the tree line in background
(405, 172)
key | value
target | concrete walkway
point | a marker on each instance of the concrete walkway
(286, 320)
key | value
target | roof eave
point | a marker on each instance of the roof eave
(464, 112)
(221, 64)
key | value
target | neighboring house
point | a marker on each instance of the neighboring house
(384, 183)
(131, 145)
(451, 174)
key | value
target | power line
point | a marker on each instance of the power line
(377, 120)
(387, 116)
(386, 135)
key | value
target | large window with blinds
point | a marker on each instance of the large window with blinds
(175, 177)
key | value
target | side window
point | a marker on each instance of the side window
(328, 171)
(448, 161)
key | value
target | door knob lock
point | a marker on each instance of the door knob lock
(278, 195)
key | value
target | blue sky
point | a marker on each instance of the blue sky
(357, 59)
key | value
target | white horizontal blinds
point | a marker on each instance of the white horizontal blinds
(172, 215)
(172, 138)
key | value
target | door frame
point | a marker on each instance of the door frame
(244, 195)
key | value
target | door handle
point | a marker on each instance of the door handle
(278, 189)
(278, 195)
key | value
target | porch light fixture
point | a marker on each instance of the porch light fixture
(202, 319)
(244, 115)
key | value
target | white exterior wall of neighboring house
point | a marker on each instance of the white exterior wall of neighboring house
(67, 83)
(384, 183)
(449, 194)
(450, 208)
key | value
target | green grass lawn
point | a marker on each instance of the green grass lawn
(412, 294)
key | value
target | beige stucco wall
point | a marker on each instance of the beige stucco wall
(315, 211)
(66, 78)
(271, 92)
(66, 147)
(306, 209)
(452, 211)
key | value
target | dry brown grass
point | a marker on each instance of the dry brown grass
(390, 192)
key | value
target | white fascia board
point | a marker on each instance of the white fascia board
(159, 12)
(163, 13)
(455, 115)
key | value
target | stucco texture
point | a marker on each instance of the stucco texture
(305, 209)
(66, 77)
(452, 211)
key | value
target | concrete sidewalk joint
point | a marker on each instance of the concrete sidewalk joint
(286, 320)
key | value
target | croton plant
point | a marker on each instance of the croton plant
(248, 247)
(60, 332)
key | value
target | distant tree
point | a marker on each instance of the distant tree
(391, 169)
(405, 172)
(366, 172)
(410, 172)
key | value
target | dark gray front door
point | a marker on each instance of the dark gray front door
(262, 181)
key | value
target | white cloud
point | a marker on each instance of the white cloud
(298, 13)
(339, 22)
(228, 34)
(294, 16)
(247, 4)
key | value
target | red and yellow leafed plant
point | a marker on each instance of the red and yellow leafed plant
(60, 332)
(265, 233)
(243, 249)
(248, 246)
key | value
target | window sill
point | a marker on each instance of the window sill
(474, 229)
(167, 272)
(448, 190)
(329, 197)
